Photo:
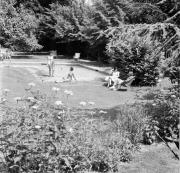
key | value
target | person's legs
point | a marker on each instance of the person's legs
(117, 84)
(69, 78)
(114, 84)
(109, 82)
(52, 70)
(49, 67)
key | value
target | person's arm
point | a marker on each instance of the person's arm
(118, 74)
(47, 60)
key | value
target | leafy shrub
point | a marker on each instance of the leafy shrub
(151, 94)
(132, 119)
(143, 49)
(164, 113)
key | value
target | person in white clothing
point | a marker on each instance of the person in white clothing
(50, 63)
(118, 82)
(114, 76)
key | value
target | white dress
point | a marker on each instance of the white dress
(50, 60)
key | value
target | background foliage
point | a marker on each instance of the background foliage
(17, 27)
(108, 30)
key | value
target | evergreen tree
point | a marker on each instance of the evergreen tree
(144, 49)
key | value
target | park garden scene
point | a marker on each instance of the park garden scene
(89, 86)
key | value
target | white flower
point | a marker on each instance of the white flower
(68, 92)
(55, 89)
(17, 99)
(83, 103)
(154, 104)
(58, 117)
(91, 103)
(58, 103)
(37, 127)
(92, 113)
(178, 126)
(31, 99)
(102, 112)
(3, 100)
(61, 112)
(70, 130)
(35, 107)
(156, 128)
(173, 96)
(6, 90)
(31, 84)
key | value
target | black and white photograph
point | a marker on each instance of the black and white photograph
(89, 86)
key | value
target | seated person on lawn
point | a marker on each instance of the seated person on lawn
(119, 82)
(114, 76)
(70, 77)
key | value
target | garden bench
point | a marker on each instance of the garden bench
(76, 56)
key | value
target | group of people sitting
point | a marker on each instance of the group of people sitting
(114, 82)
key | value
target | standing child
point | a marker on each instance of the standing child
(51, 64)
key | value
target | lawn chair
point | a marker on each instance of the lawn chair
(127, 82)
(76, 56)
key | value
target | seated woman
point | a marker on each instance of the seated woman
(114, 76)
(70, 76)
(119, 82)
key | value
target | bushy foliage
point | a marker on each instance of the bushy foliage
(164, 113)
(144, 49)
(41, 134)
(91, 23)
(133, 120)
(17, 27)
(79, 21)
(73, 22)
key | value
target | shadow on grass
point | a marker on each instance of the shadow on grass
(41, 73)
(110, 114)
(122, 89)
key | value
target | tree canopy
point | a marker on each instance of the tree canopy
(103, 24)
(17, 27)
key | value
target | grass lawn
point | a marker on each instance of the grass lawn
(17, 78)
(151, 159)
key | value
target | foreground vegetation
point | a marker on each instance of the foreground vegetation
(42, 134)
